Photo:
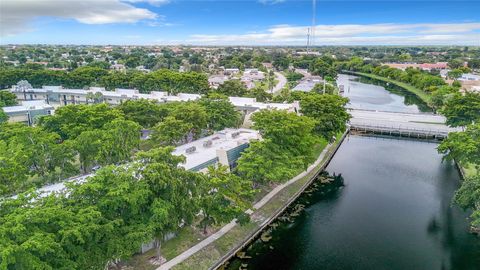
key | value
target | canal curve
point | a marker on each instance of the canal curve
(394, 211)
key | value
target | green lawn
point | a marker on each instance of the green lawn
(410, 88)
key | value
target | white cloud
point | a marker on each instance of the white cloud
(271, 2)
(151, 2)
(350, 34)
(16, 15)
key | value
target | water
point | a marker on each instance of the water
(371, 94)
(394, 212)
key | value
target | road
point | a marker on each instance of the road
(400, 120)
(282, 81)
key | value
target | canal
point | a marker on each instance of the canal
(393, 212)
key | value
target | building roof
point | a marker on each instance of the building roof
(224, 139)
(26, 106)
(253, 104)
(119, 93)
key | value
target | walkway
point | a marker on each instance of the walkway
(282, 81)
(207, 241)
(400, 121)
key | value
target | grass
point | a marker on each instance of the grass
(469, 170)
(205, 258)
(410, 88)
(209, 255)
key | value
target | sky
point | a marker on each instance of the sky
(239, 22)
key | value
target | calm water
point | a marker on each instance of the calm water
(371, 94)
(394, 212)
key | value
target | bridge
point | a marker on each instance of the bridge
(421, 125)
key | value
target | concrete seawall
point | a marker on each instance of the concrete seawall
(331, 152)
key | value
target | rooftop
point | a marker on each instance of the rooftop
(203, 150)
(27, 106)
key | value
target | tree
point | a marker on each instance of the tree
(119, 139)
(287, 146)
(147, 113)
(170, 131)
(224, 196)
(71, 120)
(455, 63)
(3, 116)
(462, 110)
(232, 88)
(220, 113)
(88, 146)
(468, 196)
(191, 113)
(464, 147)
(328, 111)
(260, 94)
(175, 191)
(7, 99)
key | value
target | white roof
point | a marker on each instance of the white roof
(28, 105)
(252, 103)
(119, 93)
(220, 140)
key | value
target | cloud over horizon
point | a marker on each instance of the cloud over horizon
(354, 34)
(16, 15)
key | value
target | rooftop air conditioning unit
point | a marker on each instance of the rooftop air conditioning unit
(235, 134)
(190, 149)
(207, 143)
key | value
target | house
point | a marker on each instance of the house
(231, 71)
(28, 111)
(307, 84)
(216, 80)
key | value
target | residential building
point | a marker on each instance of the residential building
(216, 80)
(28, 111)
(223, 147)
(469, 77)
(59, 96)
(307, 84)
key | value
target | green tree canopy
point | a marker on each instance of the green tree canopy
(328, 111)
(462, 110)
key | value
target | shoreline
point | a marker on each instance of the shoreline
(407, 87)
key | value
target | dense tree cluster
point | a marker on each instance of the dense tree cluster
(464, 147)
(289, 139)
(160, 80)
(108, 217)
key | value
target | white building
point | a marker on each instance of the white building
(59, 96)
(307, 84)
(223, 147)
(28, 111)
(469, 77)
(216, 80)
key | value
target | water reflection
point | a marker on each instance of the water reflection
(365, 93)
(393, 213)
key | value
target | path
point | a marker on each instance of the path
(282, 81)
(399, 120)
(207, 241)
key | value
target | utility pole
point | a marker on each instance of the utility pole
(314, 11)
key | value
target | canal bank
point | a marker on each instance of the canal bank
(418, 92)
(236, 237)
(394, 212)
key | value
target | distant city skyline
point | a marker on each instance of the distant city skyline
(247, 22)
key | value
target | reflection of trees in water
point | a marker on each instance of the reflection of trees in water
(270, 243)
(450, 229)
(409, 98)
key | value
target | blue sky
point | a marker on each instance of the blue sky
(247, 22)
